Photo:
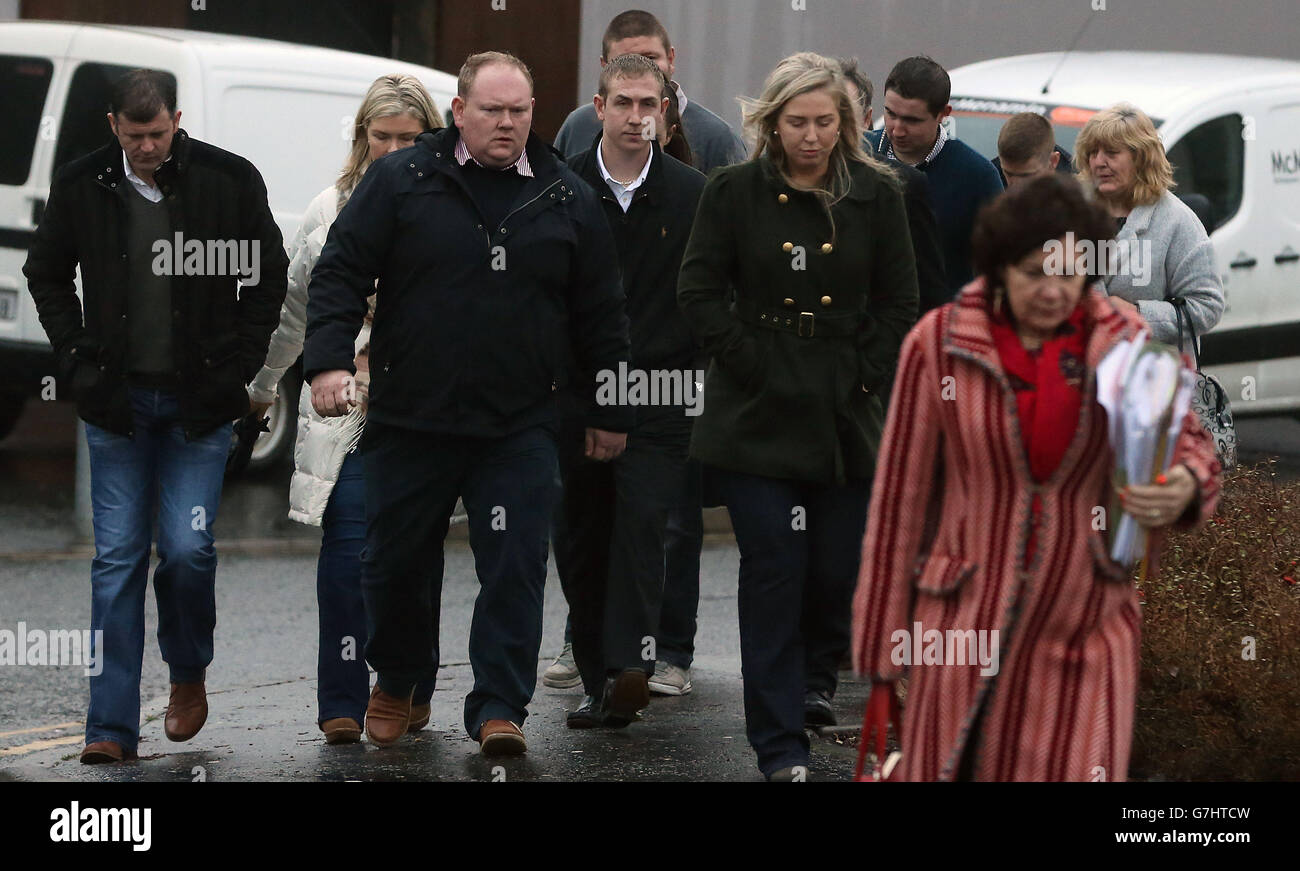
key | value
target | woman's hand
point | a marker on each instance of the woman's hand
(1123, 304)
(1161, 503)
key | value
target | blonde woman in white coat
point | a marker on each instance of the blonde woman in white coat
(327, 489)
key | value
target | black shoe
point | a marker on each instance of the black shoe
(817, 709)
(625, 695)
(588, 715)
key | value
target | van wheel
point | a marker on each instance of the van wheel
(275, 448)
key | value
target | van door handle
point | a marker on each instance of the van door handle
(38, 211)
(1287, 256)
(1244, 261)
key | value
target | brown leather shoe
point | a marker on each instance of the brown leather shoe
(501, 738)
(106, 751)
(419, 717)
(341, 730)
(387, 716)
(187, 711)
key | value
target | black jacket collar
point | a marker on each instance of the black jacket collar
(441, 146)
(109, 162)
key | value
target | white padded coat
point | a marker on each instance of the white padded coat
(322, 442)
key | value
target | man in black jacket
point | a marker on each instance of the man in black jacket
(609, 533)
(165, 229)
(491, 256)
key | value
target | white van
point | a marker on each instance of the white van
(1231, 127)
(287, 108)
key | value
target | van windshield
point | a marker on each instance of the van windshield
(977, 121)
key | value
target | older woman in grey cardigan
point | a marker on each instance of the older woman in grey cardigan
(1163, 251)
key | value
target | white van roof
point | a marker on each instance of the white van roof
(247, 51)
(1156, 82)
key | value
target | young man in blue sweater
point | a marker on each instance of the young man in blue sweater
(961, 179)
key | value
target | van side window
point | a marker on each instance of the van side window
(22, 100)
(84, 126)
(1210, 161)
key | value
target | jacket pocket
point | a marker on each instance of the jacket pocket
(942, 574)
(221, 378)
(1107, 568)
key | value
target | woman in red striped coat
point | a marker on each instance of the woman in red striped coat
(984, 577)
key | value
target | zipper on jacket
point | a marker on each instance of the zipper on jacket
(502, 225)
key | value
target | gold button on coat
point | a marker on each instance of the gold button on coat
(787, 247)
(826, 249)
(783, 199)
(826, 300)
(789, 301)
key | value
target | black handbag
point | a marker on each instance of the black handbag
(1209, 399)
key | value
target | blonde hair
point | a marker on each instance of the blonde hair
(796, 75)
(389, 95)
(1126, 126)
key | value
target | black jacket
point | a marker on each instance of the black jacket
(220, 333)
(650, 239)
(931, 282)
(459, 347)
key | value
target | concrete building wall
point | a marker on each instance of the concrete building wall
(726, 48)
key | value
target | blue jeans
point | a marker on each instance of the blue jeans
(130, 478)
(794, 595)
(343, 680)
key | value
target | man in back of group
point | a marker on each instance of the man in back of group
(961, 179)
(1027, 149)
(931, 283)
(609, 529)
(713, 142)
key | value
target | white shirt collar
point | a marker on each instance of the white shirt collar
(148, 191)
(681, 97)
(621, 193)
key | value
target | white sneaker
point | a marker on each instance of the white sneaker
(562, 674)
(669, 680)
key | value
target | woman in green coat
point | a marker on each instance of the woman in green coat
(799, 281)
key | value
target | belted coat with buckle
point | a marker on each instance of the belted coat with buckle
(954, 507)
(812, 336)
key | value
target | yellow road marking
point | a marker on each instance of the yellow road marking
(49, 728)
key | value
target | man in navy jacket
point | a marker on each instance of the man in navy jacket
(490, 256)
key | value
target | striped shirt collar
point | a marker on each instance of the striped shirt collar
(521, 166)
(934, 152)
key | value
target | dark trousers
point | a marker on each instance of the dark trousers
(508, 486)
(343, 681)
(683, 540)
(609, 549)
(799, 550)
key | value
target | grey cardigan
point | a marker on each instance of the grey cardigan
(1180, 264)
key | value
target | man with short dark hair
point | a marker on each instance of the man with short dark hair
(961, 179)
(183, 272)
(491, 257)
(1027, 149)
(609, 531)
(713, 142)
(930, 280)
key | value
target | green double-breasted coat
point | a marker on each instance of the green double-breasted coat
(803, 321)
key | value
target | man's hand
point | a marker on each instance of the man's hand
(603, 446)
(333, 393)
(258, 408)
